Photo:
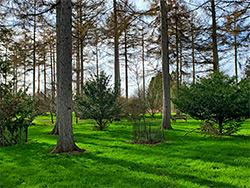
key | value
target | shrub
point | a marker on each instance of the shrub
(16, 112)
(217, 100)
(98, 101)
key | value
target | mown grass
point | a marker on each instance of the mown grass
(112, 161)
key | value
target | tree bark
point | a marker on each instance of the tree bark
(65, 142)
(38, 79)
(116, 44)
(126, 64)
(78, 68)
(143, 67)
(34, 51)
(166, 124)
(45, 74)
(214, 37)
(235, 57)
(177, 54)
(193, 60)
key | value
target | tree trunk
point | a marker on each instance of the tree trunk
(166, 124)
(235, 57)
(116, 49)
(193, 60)
(81, 49)
(97, 55)
(220, 127)
(45, 74)
(38, 79)
(34, 51)
(126, 64)
(65, 142)
(82, 65)
(78, 67)
(180, 63)
(143, 67)
(177, 56)
(214, 37)
(54, 71)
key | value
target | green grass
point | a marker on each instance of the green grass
(111, 161)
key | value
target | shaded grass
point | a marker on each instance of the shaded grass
(110, 161)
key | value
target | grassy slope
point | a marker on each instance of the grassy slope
(110, 161)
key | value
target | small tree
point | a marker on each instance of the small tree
(217, 100)
(99, 101)
(154, 95)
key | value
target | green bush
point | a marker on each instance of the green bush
(17, 111)
(217, 100)
(98, 101)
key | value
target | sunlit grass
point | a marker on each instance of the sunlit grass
(111, 161)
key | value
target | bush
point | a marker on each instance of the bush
(217, 100)
(98, 101)
(16, 113)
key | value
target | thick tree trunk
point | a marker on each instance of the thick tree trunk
(116, 49)
(166, 124)
(65, 142)
(214, 37)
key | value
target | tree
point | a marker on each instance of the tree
(214, 37)
(217, 100)
(166, 114)
(116, 44)
(65, 142)
(99, 101)
(154, 95)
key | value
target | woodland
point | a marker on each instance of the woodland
(124, 93)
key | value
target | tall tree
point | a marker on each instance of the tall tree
(65, 142)
(116, 44)
(166, 114)
(214, 37)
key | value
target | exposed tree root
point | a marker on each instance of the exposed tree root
(54, 131)
(191, 131)
(60, 149)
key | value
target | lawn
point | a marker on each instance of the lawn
(112, 161)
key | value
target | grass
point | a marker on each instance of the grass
(111, 161)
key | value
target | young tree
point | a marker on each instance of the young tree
(218, 101)
(99, 101)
